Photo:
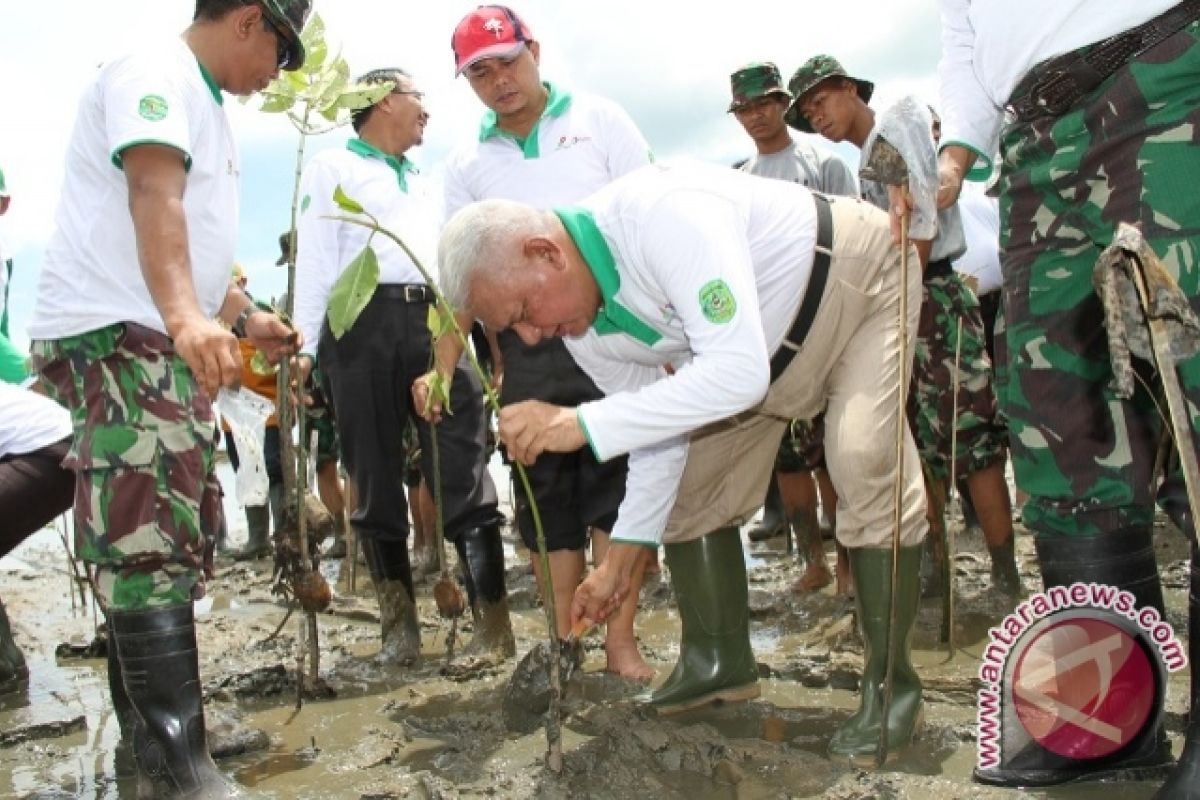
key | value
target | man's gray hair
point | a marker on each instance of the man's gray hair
(473, 244)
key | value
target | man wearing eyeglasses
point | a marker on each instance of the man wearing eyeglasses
(124, 335)
(368, 370)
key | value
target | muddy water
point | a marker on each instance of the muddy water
(431, 732)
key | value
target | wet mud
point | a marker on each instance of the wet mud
(446, 730)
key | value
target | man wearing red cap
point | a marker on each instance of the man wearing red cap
(544, 146)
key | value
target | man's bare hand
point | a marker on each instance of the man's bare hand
(302, 367)
(532, 427)
(273, 336)
(600, 594)
(211, 352)
(953, 163)
(429, 409)
(900, 204)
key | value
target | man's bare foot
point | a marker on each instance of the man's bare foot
(626, 660)
(815, 578)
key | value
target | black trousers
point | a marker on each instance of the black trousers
(34, 489)
(369, 375)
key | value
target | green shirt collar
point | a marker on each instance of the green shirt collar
(612, 316)
(401, 166)
(558, 102)
(212, 84)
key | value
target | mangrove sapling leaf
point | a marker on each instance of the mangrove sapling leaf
(440, 322)
(352, 291)
(259, 365)
(345, 202)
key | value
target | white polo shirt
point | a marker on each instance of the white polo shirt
(91, 276)
(391, 190)
(29, 421)
(580, 144)
(700, 268)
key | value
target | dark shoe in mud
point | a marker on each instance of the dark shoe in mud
(400, 630)
(716, 663)
(156, 650)
(493, 631)
(1005, 577)
(336, 549)
(857, 740)
(12, 661)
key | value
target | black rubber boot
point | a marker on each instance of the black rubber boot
(857, 740)
(1005, 577)
(12, 662)
(156, 649)
(258, 545)
(774, 519)
(391, 573)
(716, 662)
(481, 555)
(123, 761)
(1184, 782)
(1125, 559)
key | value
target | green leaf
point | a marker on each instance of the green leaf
(361, 95)
(331, 83)
(314, 32)
(276, 102)
(345, 202)
(352, 292)
(439, 321)
(260, 365)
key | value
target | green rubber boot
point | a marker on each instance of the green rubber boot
(716, 663)
(858, 738)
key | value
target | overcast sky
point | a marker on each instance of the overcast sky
(666, 62)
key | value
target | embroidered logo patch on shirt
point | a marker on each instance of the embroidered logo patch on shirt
(152, 107)
(717, 303)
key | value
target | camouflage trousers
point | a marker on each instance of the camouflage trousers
(1125, 153)
(147, 501)
(950, 322)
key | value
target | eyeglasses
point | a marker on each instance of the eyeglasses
(411, 93)
(283, 47)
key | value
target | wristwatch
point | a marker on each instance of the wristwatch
(239, 324)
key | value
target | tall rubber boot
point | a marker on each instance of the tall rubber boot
(391, 573)
(156, 649)
(123, 761)
(774, 519)
(12, 662)
(1005, 577)
(258, 545)
(1122, 558)
(857, 740)
(481, 555)
(277, 500)
(716, 662)
(1184, 782)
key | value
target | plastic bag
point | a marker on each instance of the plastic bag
(247, 413)
(908, 126)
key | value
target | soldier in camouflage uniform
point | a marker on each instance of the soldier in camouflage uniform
(950, 323)
(758, 102)
(1113, 143)
(124, 336)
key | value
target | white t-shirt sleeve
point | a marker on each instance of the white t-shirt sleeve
(650, 491)
(969, 117)
(318, 256)
(695, 249)
(455, 193)
(144, 105)
(627, 147)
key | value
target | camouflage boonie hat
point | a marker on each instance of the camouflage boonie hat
(289, 17)
(754, 81)
(812, 72)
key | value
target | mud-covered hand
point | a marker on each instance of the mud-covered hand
(601, 593)
(532, 427)
(210, 351)
(270, 334)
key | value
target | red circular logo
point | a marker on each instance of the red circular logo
(1083, 688)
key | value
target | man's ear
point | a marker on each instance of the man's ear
(535, 50)
(246, 19)
(545, 249)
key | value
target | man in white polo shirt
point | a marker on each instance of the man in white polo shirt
(543, 145)
(12, 361)
(765, 302)
(124, 335)
(371, 367)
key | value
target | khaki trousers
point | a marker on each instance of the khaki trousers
(848, 366)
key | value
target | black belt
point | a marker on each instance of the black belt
(812, 295)
(1052, 87)
(942, 268)
(408, 292)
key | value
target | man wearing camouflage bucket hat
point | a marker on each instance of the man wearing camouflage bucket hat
(124, 335)
(832, 102)
(759, 102)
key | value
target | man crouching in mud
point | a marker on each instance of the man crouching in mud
(711, 308)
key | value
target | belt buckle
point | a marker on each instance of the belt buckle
(1050, 95)
(415, 293)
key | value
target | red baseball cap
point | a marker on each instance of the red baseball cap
(488, 32)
